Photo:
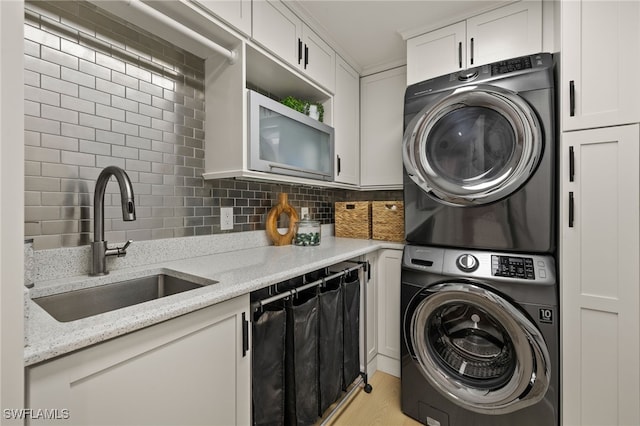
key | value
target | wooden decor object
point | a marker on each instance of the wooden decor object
(353, 219)
(283, 206)
(387, 220)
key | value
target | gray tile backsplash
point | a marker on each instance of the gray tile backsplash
(100, 92)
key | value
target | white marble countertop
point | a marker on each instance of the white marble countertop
(237, 272)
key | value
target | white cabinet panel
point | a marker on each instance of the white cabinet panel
(346, 122)
(319, 59)
(436, 53)
(235, 12)
(278, 29)
(388, 273)
(381, 121)
(188, 370)
(600, 50)
(507, 32)
(600, 276)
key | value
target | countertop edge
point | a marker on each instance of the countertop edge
(50, 339)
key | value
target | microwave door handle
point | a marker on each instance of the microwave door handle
(297, 169)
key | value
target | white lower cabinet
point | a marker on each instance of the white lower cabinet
(600, 276)
(388, 268)
(188, 370)
(371, 309)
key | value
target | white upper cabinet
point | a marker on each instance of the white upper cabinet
(436, 53)
(600, 51)
(346, 122)
(381, 123)
(279, 30)
(503, 33)
(236, 13)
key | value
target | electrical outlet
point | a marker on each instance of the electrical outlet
(226, 218)
(304, 211)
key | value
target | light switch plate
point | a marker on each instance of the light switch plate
(304, 211)
(226, 218)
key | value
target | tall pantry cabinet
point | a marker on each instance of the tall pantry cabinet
(600, 213)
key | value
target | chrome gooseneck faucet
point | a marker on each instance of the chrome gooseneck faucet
(99, 245)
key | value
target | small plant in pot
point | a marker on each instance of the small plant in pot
(304, 107)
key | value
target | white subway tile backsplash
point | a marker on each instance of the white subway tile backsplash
(41, 125)
(95, 70)
(59, 142)
(78, 158)
(59, 114)
(60, 170)
(90, 120)
(83, 53)
(40, 37)
(76, 104)
(42, 96)
(112, 94)
(110, 137)
(58, 57)
(92, 147)
(135, 118)
(124, 152)
(78, 77)
(60, 86)
(76, 131)
(93, 95)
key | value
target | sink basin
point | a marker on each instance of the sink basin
(83, 303)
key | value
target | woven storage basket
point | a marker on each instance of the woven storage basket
(388, 220)
(353, 219)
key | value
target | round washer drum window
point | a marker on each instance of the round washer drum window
(473, 147)
(476, 348)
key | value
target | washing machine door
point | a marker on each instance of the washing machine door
(475, 146)
(476, 348)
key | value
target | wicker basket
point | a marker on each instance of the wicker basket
(353, 219)
(388, 220)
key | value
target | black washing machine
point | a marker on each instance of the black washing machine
(479, 338)
(479, 155)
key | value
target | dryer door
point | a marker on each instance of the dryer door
(475, 146)
(476, 348)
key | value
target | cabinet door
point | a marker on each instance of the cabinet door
(600, 50)
(436, 53)
(600, 277)
(382, 106)
(188, 370)
(278, 29)
(504, 33)
(235, 12)
(319, 59)
(388, 273)
(370, 309)
(346, 122)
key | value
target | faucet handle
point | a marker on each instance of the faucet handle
(118, 251)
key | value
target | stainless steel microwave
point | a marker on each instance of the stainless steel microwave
(286, 142)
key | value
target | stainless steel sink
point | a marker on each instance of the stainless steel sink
(83, 303)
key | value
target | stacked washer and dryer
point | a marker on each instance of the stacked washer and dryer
(479, 292)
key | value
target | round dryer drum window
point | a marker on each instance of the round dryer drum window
(475, 146)
(478, 349)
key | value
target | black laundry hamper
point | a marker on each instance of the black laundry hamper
(268, 377)
(351, 337)
(330, 344)
(301, 359)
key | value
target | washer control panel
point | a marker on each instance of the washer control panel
(512, 267)
(467, 262)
